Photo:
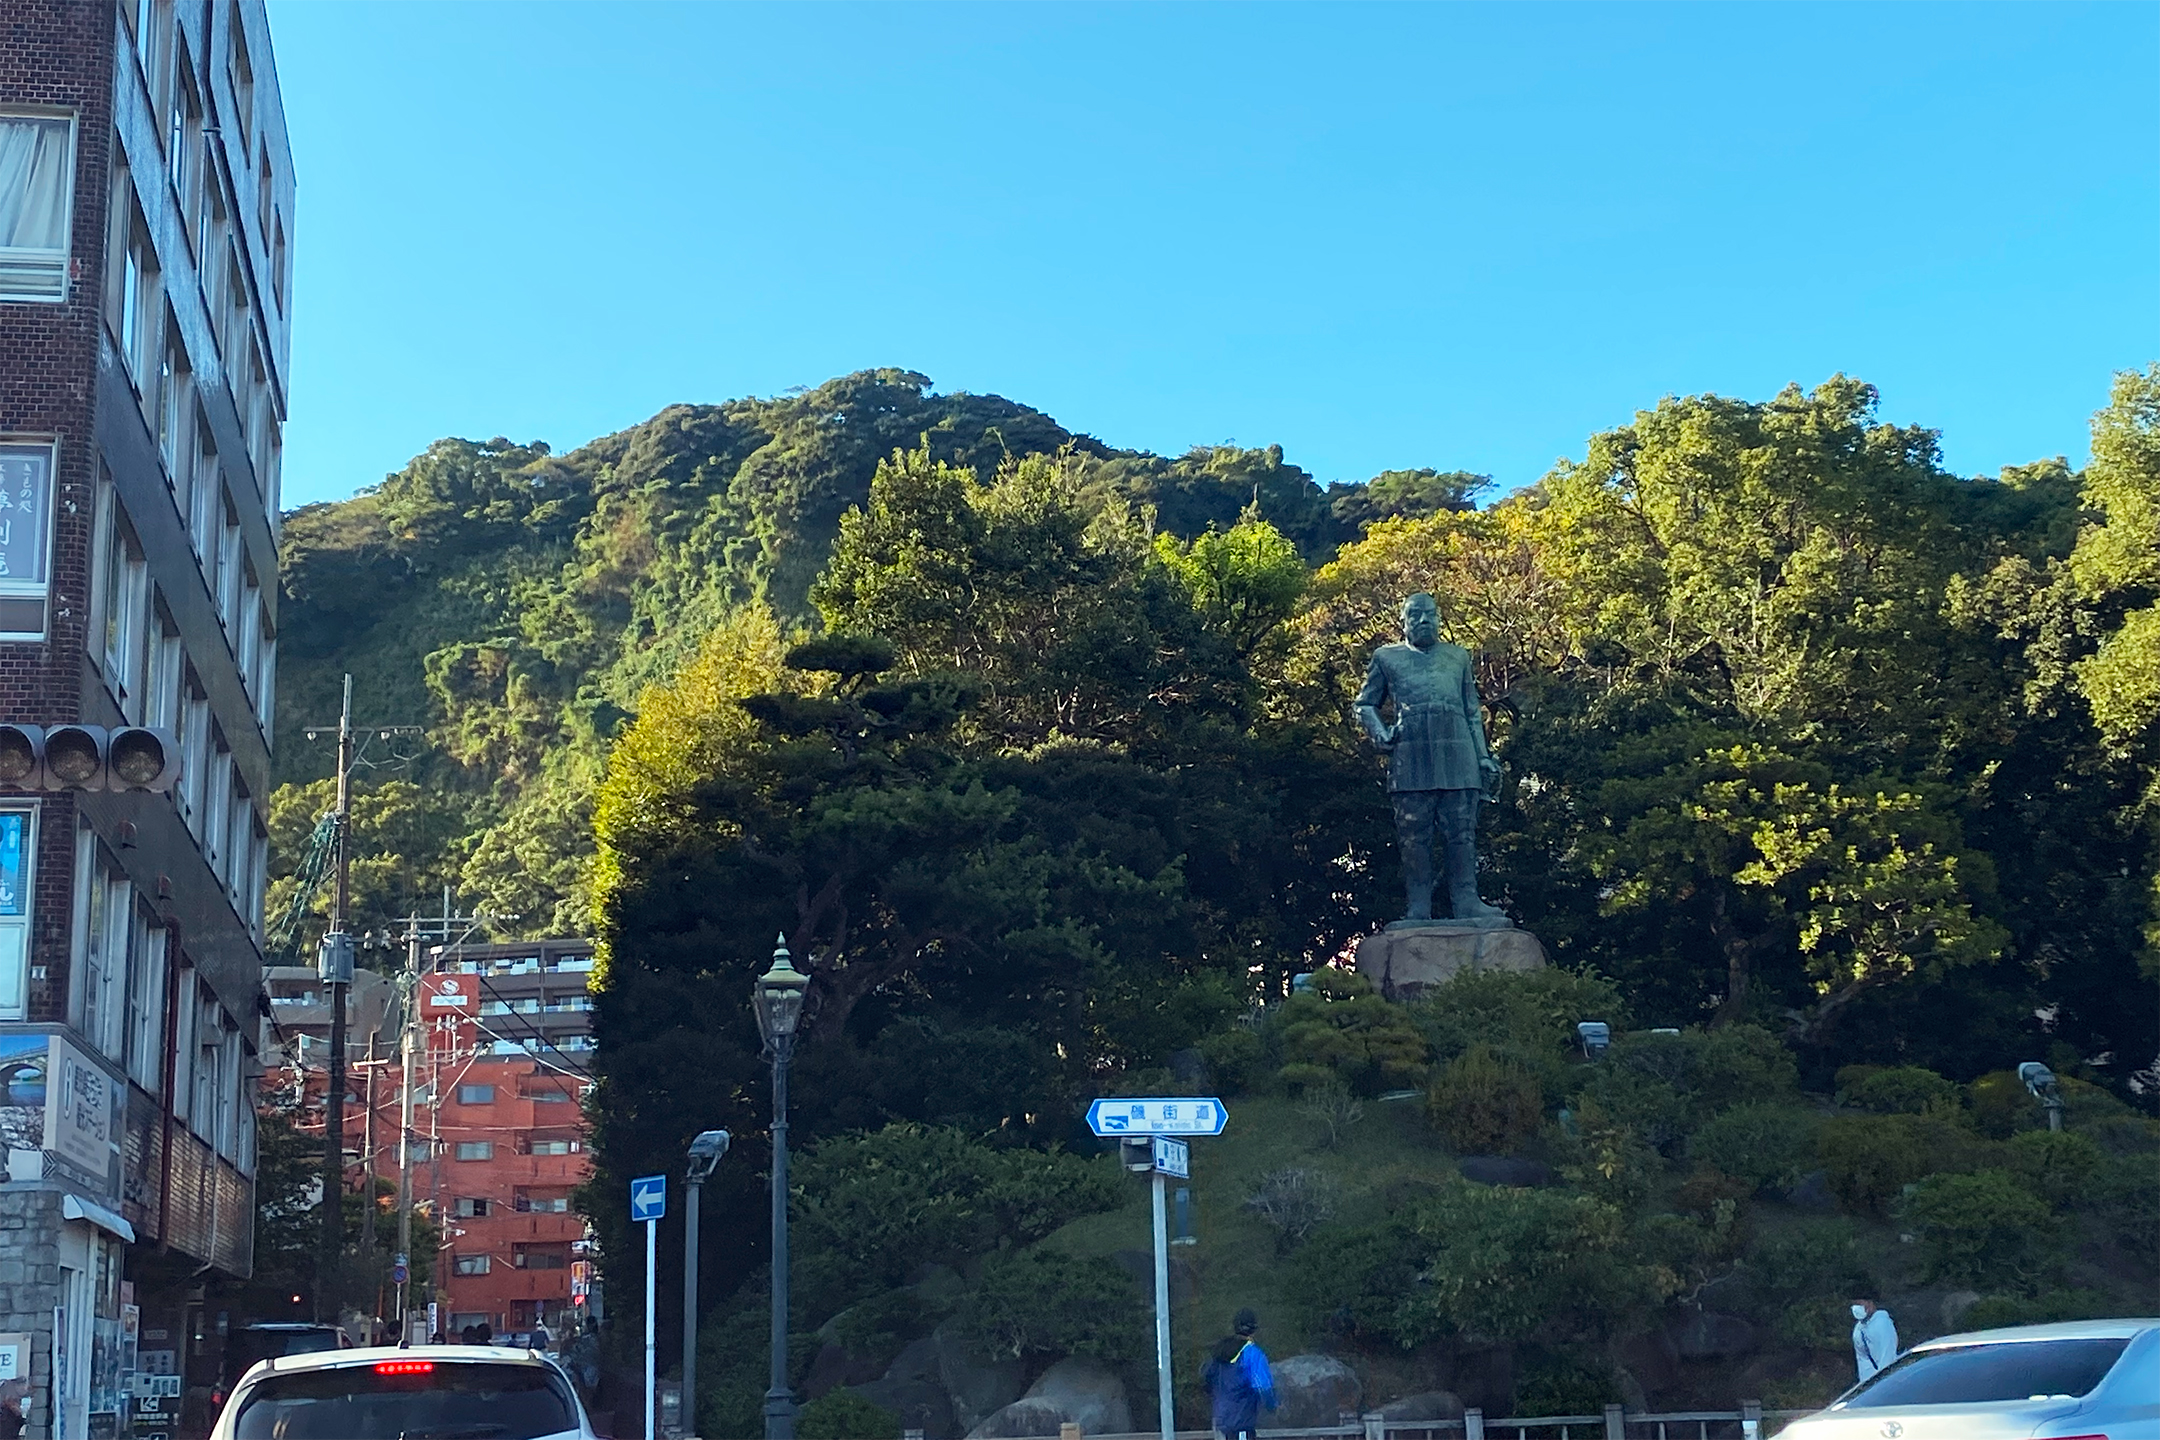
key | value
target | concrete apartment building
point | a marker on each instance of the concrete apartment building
(146, 216)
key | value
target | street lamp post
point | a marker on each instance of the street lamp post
(779, 1009)
(705, 1153)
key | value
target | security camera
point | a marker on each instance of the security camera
(2040, 1081)
(1596, 1036)
(705, 1153)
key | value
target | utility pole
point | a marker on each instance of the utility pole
(367, 1178)
(334, 966)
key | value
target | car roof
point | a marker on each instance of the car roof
(376, 1354)
(2122, 1329)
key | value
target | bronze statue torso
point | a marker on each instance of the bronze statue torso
(1438, 727)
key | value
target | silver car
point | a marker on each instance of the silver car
(2082, 1380)
(432, 1392)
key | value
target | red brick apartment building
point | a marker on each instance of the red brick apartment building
(146, 216)
(498, 1137)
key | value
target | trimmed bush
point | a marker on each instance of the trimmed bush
(1235, 1057)
(1814, 1261)
(1993, 1312)
(1766, 1144)
(1038, 1302)
(1484, 1105)
(1343, 1030)
(1565, 1382)
(1982, 1228)
(1527, 1016)
(2127, 1196)
(2058, 1166)
(1901, 1090)
(844, 1415)
(1870, 1159)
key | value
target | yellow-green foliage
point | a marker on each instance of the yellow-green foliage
(1484, 1104)
(685, 731)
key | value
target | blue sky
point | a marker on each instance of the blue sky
(1460, 236)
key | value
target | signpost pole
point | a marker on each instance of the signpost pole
(1162, 1309)
(652, 1349)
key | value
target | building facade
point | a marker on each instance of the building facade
(506, 1139)
(146, 214)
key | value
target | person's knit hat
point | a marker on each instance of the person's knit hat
(1245, 1322)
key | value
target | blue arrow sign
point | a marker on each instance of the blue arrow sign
(1165, 1115)
(648, 1198)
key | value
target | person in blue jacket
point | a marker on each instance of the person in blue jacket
(1239, 1380)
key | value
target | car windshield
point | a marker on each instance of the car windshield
(409, 1400)
(2002, 1370)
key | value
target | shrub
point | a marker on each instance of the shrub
(1038, 1302)
(1334, 1109)
(2058, 1166)
(2127, 1196)
(1234, 1057)
(1654, 1110)
(2000, 1105)
(1504, 1264)
(1606, 1157)
(1349, 1280)
(1565, 1383)
(1994, 1312)
(1296, 1201)
(1484, 1105)
(1342, 1029)
(1528, 1016)
(1870, 1159)
(1901, 1090)
(1766, 1144)
(1981, 1228)
(844, 1415)
(871, 1209)
(1813, 1261)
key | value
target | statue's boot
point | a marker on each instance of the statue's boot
(1462, 880)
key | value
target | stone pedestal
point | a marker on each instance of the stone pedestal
(1406, 962)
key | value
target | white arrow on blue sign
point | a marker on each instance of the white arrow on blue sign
(648, 1198)
(1157, 1116)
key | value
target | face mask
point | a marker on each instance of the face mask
(1859, 1312)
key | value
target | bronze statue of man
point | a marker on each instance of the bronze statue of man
(1439, 766)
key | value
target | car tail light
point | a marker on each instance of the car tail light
(404, 1367)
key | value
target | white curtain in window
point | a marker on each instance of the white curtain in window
(33, 181)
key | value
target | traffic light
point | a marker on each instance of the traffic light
(87, 757)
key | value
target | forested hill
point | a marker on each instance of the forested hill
(516, 602)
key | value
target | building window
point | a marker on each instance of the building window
(173, 409)
(162, 686)
(217, 783)
(134, 294)
(543, 1204)
(265, 189)
(277, 261)
(553, 1147)
(418, 1152)
(232, 572)
(146, 1003)
(183, 150)
(241, 73)
(194, 756)
(476, 1094)
(205, 499)
(209, 1034)
(26, 521)
(469, 1264)
(265, 679)
(541, 1257)
(476, 1150)
(550, 1097)
(103, 907)
(18, 852)
(471, 1208)
(122, 604)
(37, 170)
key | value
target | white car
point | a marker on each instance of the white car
(2082, 1380)
(426, 1392)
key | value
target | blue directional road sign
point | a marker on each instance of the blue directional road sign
(648, 1198)
(1157, 1116)
(1173, 1157)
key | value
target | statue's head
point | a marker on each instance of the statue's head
(1421, 620)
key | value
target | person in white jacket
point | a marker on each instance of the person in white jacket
(1874, 1337)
